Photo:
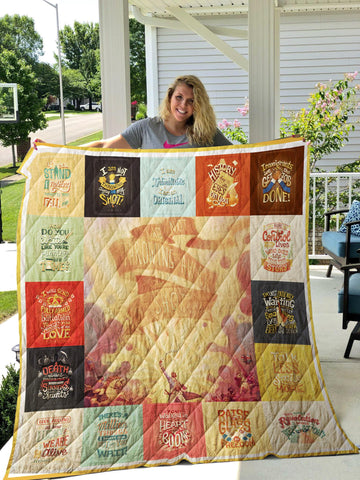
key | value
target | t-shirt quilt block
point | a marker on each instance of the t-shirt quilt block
(164, 309)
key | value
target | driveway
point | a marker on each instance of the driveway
(76, 126)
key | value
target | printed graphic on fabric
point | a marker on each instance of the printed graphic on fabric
(167, 187)
(51, 442)
(163, 285)
(300, 425)
(277, 247)
(112, 436)
(223, 184)
(54, 378)
(57, 185)
(279, 313)
(301, 428)
(236, 379)
(172, 430)
(54, 313)
(286, 371)
(277, 182)
(236, 429)
(112, 186)
(55, 251)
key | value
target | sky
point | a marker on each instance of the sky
(44, 16)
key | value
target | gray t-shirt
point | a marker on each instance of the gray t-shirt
(150, 133)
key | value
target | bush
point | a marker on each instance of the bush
(142, 112)
(325, 124)
(8, 398)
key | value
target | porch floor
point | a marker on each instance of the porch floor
(341, 378)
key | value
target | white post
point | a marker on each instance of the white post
(60, 72)
(264, 70)
(115, 65)
(152, 80)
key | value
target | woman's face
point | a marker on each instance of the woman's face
(182, 103)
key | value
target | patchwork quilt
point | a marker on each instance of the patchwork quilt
(164, 309)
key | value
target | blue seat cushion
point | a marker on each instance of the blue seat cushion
(335, 242)
(354, 295)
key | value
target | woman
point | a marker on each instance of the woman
(186, 120)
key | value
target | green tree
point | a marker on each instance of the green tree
(73, 85)
(47, 81)
(137, 61)
(81, 46)
(15, 70)
(18, 34)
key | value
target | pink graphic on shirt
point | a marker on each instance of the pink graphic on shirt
(169, 145)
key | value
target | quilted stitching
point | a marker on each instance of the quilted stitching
(193, 339)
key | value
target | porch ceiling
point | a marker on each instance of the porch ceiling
(158, 8)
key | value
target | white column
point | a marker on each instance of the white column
(115, 66)
(264, 70)
(152, 78)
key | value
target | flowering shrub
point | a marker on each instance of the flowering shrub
(325, 124)
(233, 131)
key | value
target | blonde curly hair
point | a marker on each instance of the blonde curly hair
(201, 126)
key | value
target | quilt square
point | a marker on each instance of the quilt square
(278, 249)
(52, 442)
(54, 378)
(235, 429)
(112, 187)
(168, 187)
(55, 252)
(300, 426)
(286, 373)
(55, 312)
(277, 182)
(223, 184)
(173, 429)
(57, 183)
(112, 436)
(279, 313)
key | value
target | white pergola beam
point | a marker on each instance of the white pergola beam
(115, 65)
(208, 35)
(176, 25)
(264, 70)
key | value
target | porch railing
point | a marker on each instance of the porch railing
(341, 188)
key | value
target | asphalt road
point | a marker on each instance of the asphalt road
(76, 126)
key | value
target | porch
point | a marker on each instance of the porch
(328, 191)
(341, 378)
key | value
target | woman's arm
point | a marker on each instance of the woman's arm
(118, 141)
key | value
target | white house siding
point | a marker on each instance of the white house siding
(315, 47)
(319, 48)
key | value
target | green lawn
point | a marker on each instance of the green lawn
(7, 171)
(8, 304)
(89, 138)
(11, 198)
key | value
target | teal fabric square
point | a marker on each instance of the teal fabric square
(168, 187)
(352, 215)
